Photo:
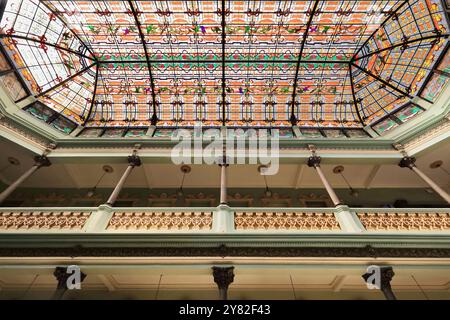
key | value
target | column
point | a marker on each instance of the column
(314, 161)
(133, 161)
(223, 276)
(409, 162)
(62, 276)
(39, 162)
(223, 183)
(385, 275)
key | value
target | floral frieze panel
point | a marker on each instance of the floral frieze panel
(161, 221)
(374, 221)
(54, 220)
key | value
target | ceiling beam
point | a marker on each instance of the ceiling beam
(154, 118)
(73, 176)
(338, 282)
(299, 176)
(147, 174)
(297, 69)
(371, 176)
(105, 279)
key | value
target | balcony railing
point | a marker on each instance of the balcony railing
(224, 220)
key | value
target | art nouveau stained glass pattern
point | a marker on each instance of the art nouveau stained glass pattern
(72, 98)
(13, 86)
(405, 67)
(434, 87)
(324, 64)
(438, 80)
(413, 21)
(189, 92)
(324, 95)
(339, 28)
(123, 93)
(374, 99)
(42, 48)
(401, 116)
(53, 118)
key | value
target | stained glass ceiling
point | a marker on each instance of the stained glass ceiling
(332, 64)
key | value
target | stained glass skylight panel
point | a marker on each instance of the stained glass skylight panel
(339, 28)
(317, 64)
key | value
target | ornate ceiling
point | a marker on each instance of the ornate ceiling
(327, 64)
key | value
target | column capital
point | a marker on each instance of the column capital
(407, 162)
(223, 276)
(314, 161)
(42, 161)
(134, 160)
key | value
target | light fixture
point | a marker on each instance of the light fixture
(268, 192)
(11, 162)
(339, 170)
(438, 165)
(185, 169)
(106, 169)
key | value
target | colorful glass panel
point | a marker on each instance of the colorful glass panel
(113, 133)
(135, 133)
(408, 112)
(385, 125)
(63, 125)
(434, 87)
(13, 86)
(91, 132)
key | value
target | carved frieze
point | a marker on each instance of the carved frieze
(43, 220)
(285, 221)
(405, 221)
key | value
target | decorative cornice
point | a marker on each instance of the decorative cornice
(435, 130)
(27, 134)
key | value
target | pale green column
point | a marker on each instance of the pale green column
(348, 221)
(223, 219)
(99, 219)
